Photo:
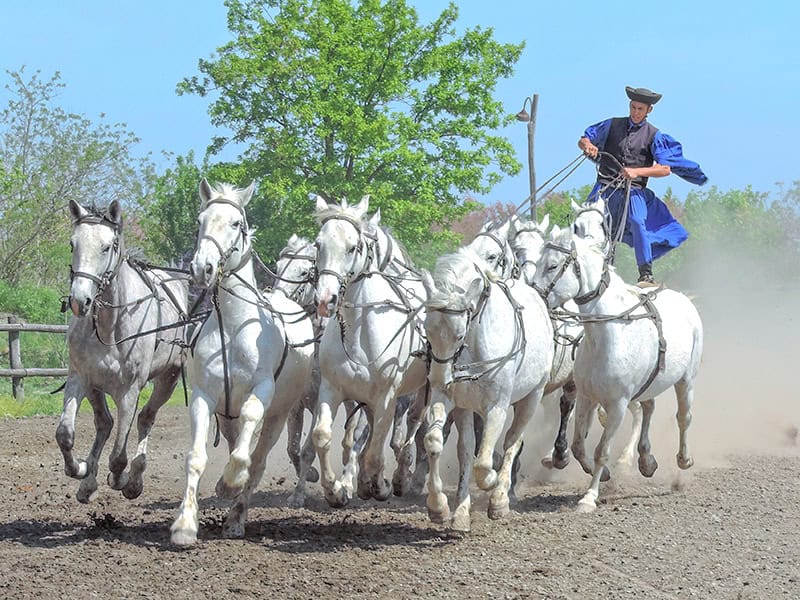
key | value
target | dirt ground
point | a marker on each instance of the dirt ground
(725, 529)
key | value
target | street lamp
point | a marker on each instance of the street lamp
(531, 120)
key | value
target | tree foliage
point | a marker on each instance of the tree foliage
(344, 98)
(48, 157)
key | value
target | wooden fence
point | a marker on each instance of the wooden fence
(17, 372)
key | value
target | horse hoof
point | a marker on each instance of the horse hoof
(585, 507)
(117, 482)
(382, 491)
(606, 474)
(498, 510)
(183, 538)
(87, 491)
(296, 501)
(225, 491)
(312, 475)
(648, 465)
(461, 522)
(233, 531)
(133, 489)
(685, 462)
(561, 460)
(440, 518)
(438, 510)
(337, 498)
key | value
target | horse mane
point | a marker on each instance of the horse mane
(226, 190)
(296, 243)
(453, 275)
(351, 212)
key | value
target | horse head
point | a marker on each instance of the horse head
(491, 245)
(570, 268)
(97, 249)
(527, 238)
(223, 238)
(591, 222)
(344, 249)
(295, 268)
(456, 293)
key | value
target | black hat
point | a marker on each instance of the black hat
(642, 95)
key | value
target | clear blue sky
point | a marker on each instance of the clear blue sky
(729, 73)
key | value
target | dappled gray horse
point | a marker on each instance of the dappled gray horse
(115, 347)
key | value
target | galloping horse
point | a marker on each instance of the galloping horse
(115, 346)
(369, 354)
(638, 344)
(244, 366)
(490, 346)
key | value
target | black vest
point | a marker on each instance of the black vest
(631, 149)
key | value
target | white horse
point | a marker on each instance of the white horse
(528, 239)
(369, 354)
(244, 366)
(637, 344)
(490, 346)
(295, 276)
(117, 304)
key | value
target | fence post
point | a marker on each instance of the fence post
(15, 361)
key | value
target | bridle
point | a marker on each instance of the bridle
(525, 229)
(114, 258)
(572, 259)
(501, 264)
(360, 249)
(241, 236)
(299, 291)
(470, 314)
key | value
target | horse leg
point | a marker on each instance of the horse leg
(356, 432)
(560, 457)
(647, 462)
(163, 387)
(118, 459)
(403, 452)
(322, 435)
(523, 412)
(615, 413)
(237, 470)
(184, 528)
(626, 458)
(274, 422)
(103, 423)
(371, 480)
(74, 393)
(438, 510)
(416, 417)
(294, 429)
(584, 410)
(485, 474)
(685, 391)
(229, 428)
(305, 471)
(466, 455)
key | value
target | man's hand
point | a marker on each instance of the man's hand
(630, 172)
(588, 148)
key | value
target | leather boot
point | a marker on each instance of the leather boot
(646, 278)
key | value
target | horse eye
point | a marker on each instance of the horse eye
(552, 267)
(351, 250)
(236, 225)
(105, 249)
(492, 257)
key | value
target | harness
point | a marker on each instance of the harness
(645, 301)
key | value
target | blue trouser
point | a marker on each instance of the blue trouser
(650, 228)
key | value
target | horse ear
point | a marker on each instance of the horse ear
(513, 223)
(320, 203)
(545, 223)
(247, 194)
(114, 212)
(575, 206)
(555, 232)
(363, 206)
(205, 192)
(428, 283)
(502, 231)
(78, 212)
(375, 219)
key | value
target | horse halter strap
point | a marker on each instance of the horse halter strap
(359, 249)
(110, 271)
(224, 255)
(502, 263)
(519, 232)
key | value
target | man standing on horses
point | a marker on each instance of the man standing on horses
(630, 151)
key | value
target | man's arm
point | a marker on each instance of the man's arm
(656, 170)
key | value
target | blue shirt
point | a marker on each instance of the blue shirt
(666, 151)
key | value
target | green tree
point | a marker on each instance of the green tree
(47, 158)
(344, 98)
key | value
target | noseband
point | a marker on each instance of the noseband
(114, 259)
(224, 255)
(572, 258)
(343, 281)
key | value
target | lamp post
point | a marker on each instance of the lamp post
(531, 120)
